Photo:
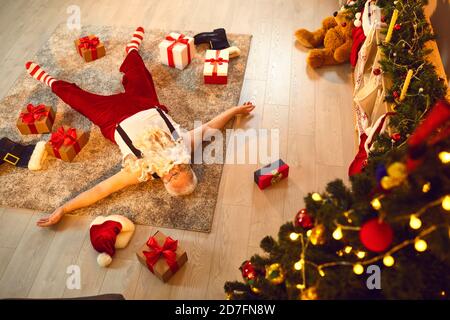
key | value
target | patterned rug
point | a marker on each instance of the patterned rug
(182, 91)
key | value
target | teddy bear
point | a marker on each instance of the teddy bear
(335, 36)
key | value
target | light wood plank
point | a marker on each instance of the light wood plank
(63, 252)
(229, 249)
(5, 258)
(13, 223)
(26, 261)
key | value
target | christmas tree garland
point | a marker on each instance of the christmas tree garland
(396, 214)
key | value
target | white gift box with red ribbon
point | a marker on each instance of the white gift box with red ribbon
(177, 50)
(215, 70)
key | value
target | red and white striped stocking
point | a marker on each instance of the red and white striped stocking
(39, 74)
(135, 42)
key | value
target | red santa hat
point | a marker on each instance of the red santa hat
(108, 234)
(103, 239)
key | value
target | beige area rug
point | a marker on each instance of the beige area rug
(182, 91)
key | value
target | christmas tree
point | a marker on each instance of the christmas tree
(390, 228)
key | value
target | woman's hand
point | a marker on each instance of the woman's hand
(246, 108)
(51, 219)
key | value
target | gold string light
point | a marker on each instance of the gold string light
(444, 156)
(358, 268)
(414, 222)
(316, 197)
(446, 203)
(337, 234)
(388, 261)
(294, 236)
(376, 204)
(420, 245)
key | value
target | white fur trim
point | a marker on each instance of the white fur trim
(37, 157)
(104, 260)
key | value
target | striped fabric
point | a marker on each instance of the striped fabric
(135, 42)
(39, 74)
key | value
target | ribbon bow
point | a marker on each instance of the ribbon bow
(34, 113)
(181, 39)
(167, 251)
(62, 137)
(89, 43)
(276, 176)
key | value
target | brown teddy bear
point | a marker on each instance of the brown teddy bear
(335, 36)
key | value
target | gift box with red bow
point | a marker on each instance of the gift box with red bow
(66, 143)
(162, 256)
(271, 174)
(215, 70)
(177, 50)
(36, 119)
(90, 48)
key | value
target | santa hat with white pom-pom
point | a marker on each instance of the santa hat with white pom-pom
(108, 234)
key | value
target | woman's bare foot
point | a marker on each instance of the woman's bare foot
(51, 219)
(246, 108)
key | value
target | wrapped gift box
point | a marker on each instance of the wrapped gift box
(177, 50)
(271, 174)
(66, 143)
(162, 256)
(215, 70)
(90, 48)
(36, 119)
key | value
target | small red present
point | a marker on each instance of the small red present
(271, 174)
(36, 119)
(162, 256)
(215, 70)
(90, 48)
(66, 143)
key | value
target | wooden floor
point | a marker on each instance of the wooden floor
(311, 108)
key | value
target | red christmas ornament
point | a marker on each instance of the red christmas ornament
(304, 220)
(376, 71)
(383, 18)
(248, 271)
(396, 94)
(376, 235)
(396, 137)
(397, 26)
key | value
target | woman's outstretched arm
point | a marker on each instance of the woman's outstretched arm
(103, 189)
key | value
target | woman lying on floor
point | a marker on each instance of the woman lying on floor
(151, 143)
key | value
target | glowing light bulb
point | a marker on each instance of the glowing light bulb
(426, 187)
(444, 156)
(420, 245)
(321, 272)
(414, 222)
(358, 269)
(316, 196)
(299, 264)
(446, 203)
(388, 261)
(300, 286)
(294, 236)
(361, 254)
(308, 233)
(337, 234)
(348, 249)
(376, 204)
